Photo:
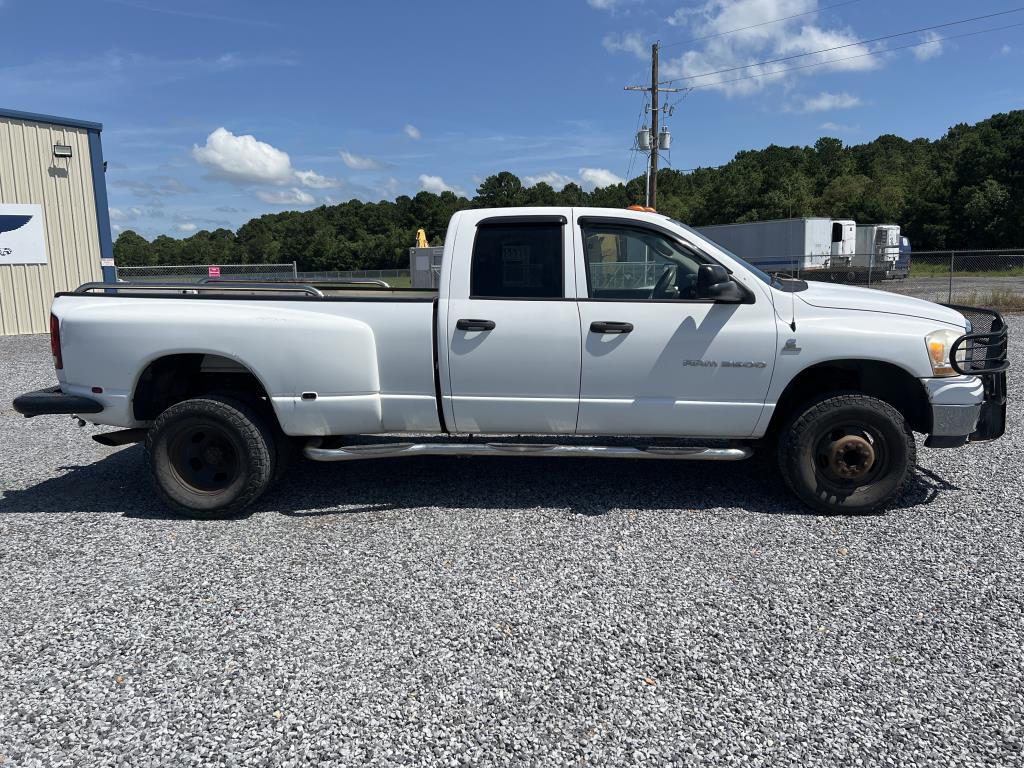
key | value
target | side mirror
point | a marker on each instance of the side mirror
(713, 282)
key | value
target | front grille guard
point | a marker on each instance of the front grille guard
(984, 350)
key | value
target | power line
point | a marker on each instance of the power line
(762, 24)
(859, 56)
(846, 45)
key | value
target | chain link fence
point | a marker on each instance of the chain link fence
(994, 276)
(396, 278)
(194, 273)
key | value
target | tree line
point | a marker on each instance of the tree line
(964, 190)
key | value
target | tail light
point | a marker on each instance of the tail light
(58, 360)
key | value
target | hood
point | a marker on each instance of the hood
(832, 296)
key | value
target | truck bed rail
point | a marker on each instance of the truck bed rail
(232, 287)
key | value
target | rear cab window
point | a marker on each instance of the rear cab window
(518, 261)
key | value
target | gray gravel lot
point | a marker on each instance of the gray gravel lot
(504, 612)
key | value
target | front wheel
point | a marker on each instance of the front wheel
(210, 456)
(847, 453)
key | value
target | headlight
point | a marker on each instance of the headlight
(939, 344)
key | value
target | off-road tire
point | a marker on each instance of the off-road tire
(240, 433)
(799, 454)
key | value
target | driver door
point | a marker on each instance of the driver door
(658, 359)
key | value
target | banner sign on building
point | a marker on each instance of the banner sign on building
(22, 234)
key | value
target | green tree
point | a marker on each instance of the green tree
(499, 191)
(132, 250)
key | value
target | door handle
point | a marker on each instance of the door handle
(605, 327)
(475, 325)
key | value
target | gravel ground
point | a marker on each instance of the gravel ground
(504, 611)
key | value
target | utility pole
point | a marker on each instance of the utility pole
(652, 182)
(654, 90)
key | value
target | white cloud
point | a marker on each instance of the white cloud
(359, 163)
(629, 42)
(125, 214)
(437, 185)
(246, 160)
(315, 180)
(603, 5)
(243, 159)
(771, 41)
(681, 17)
(838, 127)
(412, 131)
(293, 196)
(829, 102)
(1006, 50)
(932, 49)
(555, 179)
(599, 177)
(390, 188)
(186, 227)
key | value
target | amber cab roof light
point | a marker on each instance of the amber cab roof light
(643, 208)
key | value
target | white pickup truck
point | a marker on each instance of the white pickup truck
(618, 333)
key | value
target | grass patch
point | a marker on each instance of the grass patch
(1002, 300)
(942, 270)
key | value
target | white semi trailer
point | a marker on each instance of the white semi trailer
(878, 251)
(797, 246)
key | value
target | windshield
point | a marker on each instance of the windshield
(768, 279)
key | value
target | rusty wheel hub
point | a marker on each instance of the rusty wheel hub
(851, 457)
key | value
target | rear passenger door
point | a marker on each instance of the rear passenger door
(513, 334)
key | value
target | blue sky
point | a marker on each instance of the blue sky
(218, 111)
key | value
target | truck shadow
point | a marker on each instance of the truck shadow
(117, 484)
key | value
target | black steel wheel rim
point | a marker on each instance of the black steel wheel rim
(847, 456)
(205, 457)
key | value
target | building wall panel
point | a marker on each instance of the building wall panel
(29, 173)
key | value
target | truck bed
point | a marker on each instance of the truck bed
(330, 358)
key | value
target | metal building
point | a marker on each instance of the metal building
(425, 266)
(54, 222)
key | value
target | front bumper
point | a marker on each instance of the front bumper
(52, 400)
(956, 404)
(966, 409)
(972, 406)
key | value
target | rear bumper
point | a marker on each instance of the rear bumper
(51, 400)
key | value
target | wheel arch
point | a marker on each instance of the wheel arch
(884, 380)
(172, 377)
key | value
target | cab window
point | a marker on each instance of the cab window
(517, 261)
(638, 264)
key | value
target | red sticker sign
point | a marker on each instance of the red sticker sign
(214, 271)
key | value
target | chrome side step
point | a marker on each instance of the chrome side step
(392, 450)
